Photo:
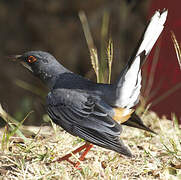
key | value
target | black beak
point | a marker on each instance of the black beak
(18, 58)
(15, 57)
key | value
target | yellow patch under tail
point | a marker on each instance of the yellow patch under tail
(121, 116)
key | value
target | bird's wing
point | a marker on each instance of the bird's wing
(82, 115)
(127, 88)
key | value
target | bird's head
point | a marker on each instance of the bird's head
(35, 61)
(41, 64)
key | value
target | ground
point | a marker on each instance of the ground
(155, 156)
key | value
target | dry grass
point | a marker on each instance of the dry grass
(155, 156)
(177, 47)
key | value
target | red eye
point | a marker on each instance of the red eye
(31, 59)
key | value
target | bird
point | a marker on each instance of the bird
(94, 111)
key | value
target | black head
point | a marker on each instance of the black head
(41, 64)
(35, 60)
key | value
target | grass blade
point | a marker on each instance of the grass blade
(30, 88)
(10, 121)
(177, 48)
(103, 72)
(110, 58)
(90, 43)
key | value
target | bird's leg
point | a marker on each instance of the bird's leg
(87, 146)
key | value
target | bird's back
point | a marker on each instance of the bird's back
(73, 81)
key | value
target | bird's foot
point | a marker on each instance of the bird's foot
(86, 146)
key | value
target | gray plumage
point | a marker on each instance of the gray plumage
(86, 109)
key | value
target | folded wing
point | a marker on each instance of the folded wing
(80, 114)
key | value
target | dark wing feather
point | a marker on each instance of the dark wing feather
(80, 114)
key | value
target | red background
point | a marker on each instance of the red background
(168, 73)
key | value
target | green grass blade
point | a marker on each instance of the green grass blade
(10, 121)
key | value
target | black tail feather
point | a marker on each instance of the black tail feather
(136, 122)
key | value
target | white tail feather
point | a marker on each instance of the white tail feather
(128, 87)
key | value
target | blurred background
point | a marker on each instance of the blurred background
(55, 27)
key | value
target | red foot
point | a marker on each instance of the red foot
(87, 146)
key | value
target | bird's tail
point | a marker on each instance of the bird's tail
(136, 122)
(128, 85)
(149, 36)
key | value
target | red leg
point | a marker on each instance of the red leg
(87, 146)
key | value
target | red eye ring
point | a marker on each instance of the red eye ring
(31, 59)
